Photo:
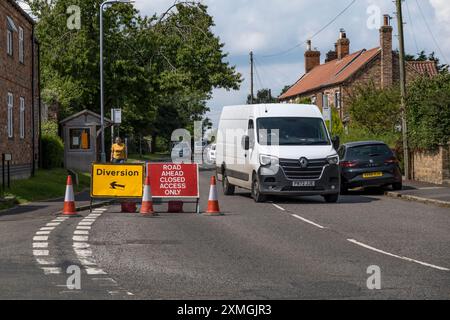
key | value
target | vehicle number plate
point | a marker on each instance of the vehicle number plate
(372, 175)
(304, 184)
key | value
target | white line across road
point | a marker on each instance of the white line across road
(396, 256)
(299, 217)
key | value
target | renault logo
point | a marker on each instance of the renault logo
(304, 163)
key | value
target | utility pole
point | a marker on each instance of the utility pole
(401, 39)
(251, 77)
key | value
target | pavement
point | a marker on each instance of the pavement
(424, 192)
(289, 248)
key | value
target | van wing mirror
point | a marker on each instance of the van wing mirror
(336, 142)
(246, 143)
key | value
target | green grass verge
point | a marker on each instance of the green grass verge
(46, 184)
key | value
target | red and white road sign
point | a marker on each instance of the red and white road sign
(170, 180)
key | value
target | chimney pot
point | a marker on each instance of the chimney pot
(387, 20)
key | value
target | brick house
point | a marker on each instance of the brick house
(332, 82)
(19, 89)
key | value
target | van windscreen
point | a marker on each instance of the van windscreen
(292, 132)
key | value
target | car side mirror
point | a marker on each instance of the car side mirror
(246, 143)
(336, 142)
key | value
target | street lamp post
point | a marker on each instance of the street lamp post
(102, 93)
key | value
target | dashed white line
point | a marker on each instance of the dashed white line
(278, 207)
(46, 262)
(95, 271)
(42, 233)
(53, 224)
(40, 238)
(81, 232)
(47, 229)
(40, 245)
(80, 238)
(308, 221)
(81, 245)
(40, 253)
(84, 228)
(397, 256)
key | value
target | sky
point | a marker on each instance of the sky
(276, 31)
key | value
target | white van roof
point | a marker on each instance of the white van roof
(270, 111)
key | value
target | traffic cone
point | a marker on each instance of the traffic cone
(213, 202)
(69, 200)
(147, 201)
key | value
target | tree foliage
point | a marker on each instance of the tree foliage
(375, 110)
(262, 96)
(428, 111)
(160, 70)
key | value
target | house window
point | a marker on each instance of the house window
(80, 139)
(11, 27)
(313, 100)
(10, 115)
(22, 118)
(325, 101)
(21, 46)
(337, 100)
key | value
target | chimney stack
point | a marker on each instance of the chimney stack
(343, 45)
(386, 52)
(312, 57)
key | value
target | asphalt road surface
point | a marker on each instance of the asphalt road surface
(287, 249)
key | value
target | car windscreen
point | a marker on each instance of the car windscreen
(368, 152)
(292, 132)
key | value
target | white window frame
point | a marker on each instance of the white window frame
(21, 46)
(9, 42)
(10, 103)
(337, 100)
(22, 118)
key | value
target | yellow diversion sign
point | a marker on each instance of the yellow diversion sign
(117, 181)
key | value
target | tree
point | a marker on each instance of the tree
(422, 56)
(375, 110)
(263, 96)
(428, 112)
(160, 70)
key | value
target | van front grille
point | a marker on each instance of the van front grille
(293, 170)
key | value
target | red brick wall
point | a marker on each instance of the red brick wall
(16, 78)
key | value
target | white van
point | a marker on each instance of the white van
(277, 149)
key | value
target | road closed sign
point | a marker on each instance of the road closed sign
(117, 181)
(174, 180)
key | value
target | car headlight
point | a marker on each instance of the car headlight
(333, 159)
(268, 160)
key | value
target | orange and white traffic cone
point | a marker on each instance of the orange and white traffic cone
(69, 200)
(147, 201)
(213, 202)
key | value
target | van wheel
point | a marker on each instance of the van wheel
(331, 198)
(228, 188)
(256, 193)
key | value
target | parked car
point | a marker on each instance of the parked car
(368, 164)
(182, 153)
(277, 149)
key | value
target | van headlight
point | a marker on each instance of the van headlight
(333, 159)
(266, 160)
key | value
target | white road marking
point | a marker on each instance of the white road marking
(86, 262)
(95, 271)
(59, 220)
(42, 233)
(80, 238)
(100, 209)
(53, 224)
(278, 207)
(40, 245)
(396, 256)
(40, 253)
(47, 228)
(89, 220)
(81, 232)
(40, 238)
(84, 228)
(83, 253)
(431, 188)
(48, 271)
(46, 262)
(308, 221)
(86, 223)
(94, 215)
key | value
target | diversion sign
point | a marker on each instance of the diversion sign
(117, 181)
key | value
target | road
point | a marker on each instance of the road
(287, 249)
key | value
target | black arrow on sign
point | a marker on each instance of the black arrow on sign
(115, 186)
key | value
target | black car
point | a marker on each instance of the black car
(368, 164)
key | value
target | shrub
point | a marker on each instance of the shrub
(52, 152)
